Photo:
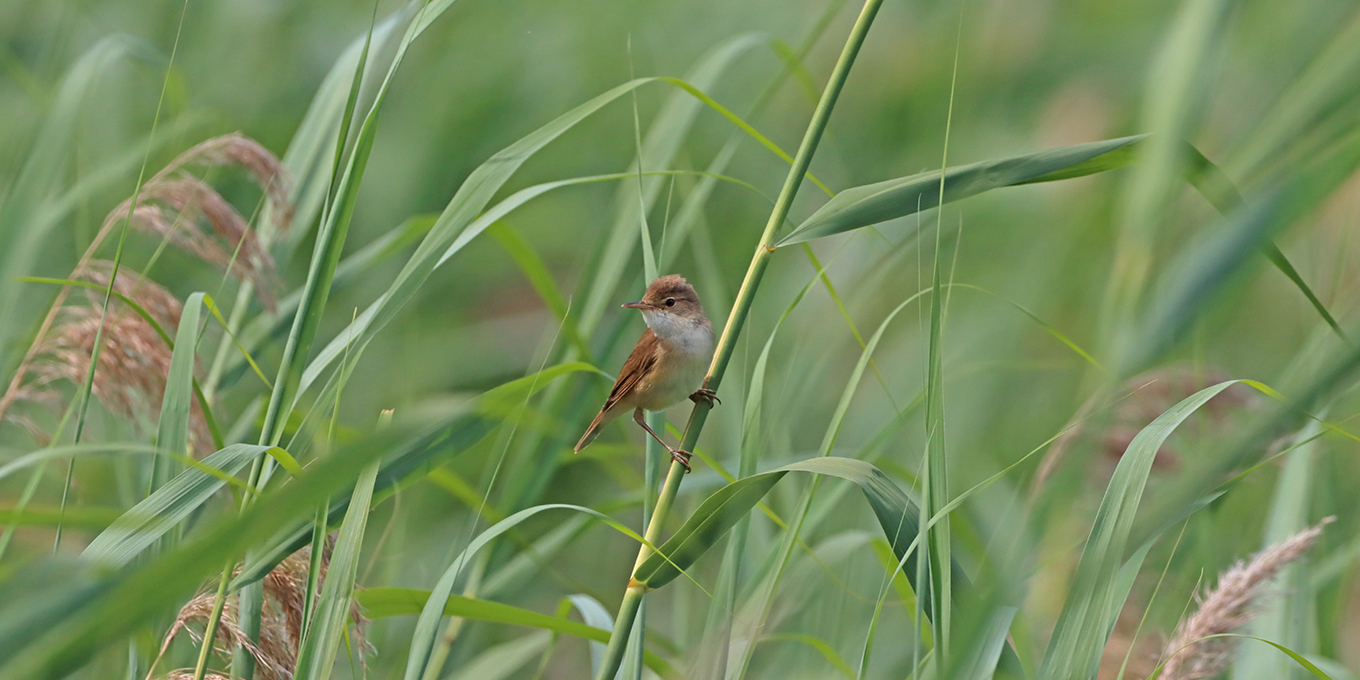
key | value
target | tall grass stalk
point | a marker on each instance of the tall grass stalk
(632, 598)
(88, 387)
(330, 241)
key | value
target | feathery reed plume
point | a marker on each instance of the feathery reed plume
(133, 363)
(173, 205)
(239, 150)
(285, 590)
(1228, 606)
(172, 209)
(188, 674)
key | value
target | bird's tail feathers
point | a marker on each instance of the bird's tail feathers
(593, 431)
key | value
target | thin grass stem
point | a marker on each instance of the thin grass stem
(632, 599)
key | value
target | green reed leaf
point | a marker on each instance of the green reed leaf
(1096, 591)
(874, 203)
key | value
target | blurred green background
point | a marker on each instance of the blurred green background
(1030, 74)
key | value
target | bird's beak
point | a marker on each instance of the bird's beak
(638, 305)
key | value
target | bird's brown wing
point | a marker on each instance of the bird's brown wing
(638, 365)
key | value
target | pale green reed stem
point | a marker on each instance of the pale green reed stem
(632, 597)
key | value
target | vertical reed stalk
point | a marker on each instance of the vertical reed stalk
(632, 597)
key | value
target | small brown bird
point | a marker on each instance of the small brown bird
(667, 365)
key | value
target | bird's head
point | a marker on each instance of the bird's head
(669, 301)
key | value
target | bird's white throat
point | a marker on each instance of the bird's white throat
(685, 334)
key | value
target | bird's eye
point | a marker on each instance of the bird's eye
(670, 302)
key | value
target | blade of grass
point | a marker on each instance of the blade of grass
(165, 508)
(1084, 623)
(935, 482)
(84, 394)
(330, 620)
(874, 203)
(386, 602)
(173, 425)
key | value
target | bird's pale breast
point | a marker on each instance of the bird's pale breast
(682, 361)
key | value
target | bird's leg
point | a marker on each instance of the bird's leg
(705, 395)
(681, 457)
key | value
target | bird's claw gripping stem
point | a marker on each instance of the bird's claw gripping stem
(682, 457)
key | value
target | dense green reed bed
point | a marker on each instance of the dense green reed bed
(1035, 340)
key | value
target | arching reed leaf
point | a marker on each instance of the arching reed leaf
(172, 431)
(596, 616)
(425, 452)
(164, 509)
(385, 602)
(1205, 268)
(897, 515)
(1097, 591)
(883, 201)
(1295, 656)
(427, 626)
(332, 613)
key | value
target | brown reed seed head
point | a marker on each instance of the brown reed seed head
(176, 209)
(238, 150)
(188, 674)
(177, 206)
(285, 589)
(1228, 606)
(133, 362)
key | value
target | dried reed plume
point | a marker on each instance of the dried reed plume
(173, 204)
(1229, 606)
(134, 360)
(188, 674)
(176, 207)
(285, 590)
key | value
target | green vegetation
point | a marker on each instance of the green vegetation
(1049, 307)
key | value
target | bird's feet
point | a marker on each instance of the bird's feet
(705, 395)
(682, 457)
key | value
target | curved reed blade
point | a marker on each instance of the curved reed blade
(331, 616)
(1098, 590)
(169, 505)
(874, 203)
